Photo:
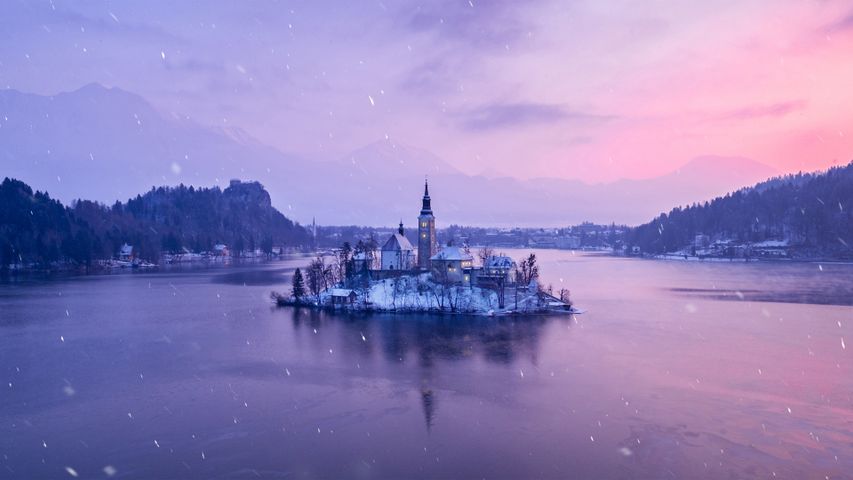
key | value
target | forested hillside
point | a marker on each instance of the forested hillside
(811, 211)
(35, 229)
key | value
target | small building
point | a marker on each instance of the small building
(220, 250)
(701, 241)
(397, 252)
(126, 253)
(452, 264)
(342, 296)
(497, 269)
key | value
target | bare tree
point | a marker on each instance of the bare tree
(527, 270)
(440, 285)
(484, 253)
(444, 288)
(316, 277)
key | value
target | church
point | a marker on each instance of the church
(450, 264)
(398, 253)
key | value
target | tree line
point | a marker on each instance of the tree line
(36, 230)
(810, 210)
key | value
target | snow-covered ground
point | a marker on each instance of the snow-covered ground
(420, 294)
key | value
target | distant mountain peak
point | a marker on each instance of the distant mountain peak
(743, 166)
(93, 87)
(390, 157)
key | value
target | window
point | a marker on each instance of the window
(423, 235)
(424, 224)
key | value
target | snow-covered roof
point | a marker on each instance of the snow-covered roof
(126, 249)
(452, 253)
(397, 243)
(360, 256)
(341, 292)
(499, 261)
(771, 244)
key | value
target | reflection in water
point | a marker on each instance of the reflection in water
(428, 401)
(434, 341)
(252, 277)
(804, 294)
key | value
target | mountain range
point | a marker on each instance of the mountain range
(108, 144)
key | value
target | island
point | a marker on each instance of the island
(426, 279)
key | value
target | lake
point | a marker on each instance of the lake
(676, 370)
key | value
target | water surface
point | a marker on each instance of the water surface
(677, 370)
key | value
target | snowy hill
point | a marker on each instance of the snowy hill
(108, 144)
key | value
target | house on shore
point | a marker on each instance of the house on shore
(497, 270)
(220, 250)
(342, 296)
(453, 265)
(126, 253)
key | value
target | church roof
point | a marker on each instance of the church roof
(452, 253)
(397, 243)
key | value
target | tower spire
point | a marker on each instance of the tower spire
(400, 230)
(426, 209)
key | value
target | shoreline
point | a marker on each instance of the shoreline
(282, 302)
(682, 258)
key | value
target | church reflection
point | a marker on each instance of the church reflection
(433, 342)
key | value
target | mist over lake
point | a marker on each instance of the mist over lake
(676, 370)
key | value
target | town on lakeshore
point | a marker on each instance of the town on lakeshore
(430, 278)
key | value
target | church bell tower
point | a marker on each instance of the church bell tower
(426, 232)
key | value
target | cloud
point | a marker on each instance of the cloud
(196, 66)
(844, 23)
(479, 24)
(779, 109)
(430, 77)
(25, 16)
(505, 115)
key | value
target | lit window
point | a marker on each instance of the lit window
(423, 224)
(423, 235)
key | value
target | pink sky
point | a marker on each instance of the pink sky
(591, 90)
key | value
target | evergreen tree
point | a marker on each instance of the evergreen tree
(298, 285)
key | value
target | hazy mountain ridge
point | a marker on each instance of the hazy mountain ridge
(107, 144)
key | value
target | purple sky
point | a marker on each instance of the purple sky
(586, 89)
